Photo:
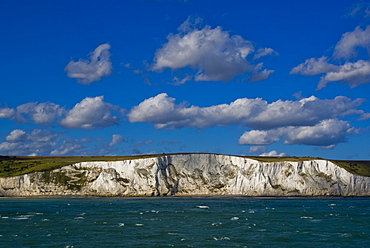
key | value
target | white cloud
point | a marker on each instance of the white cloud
(325, 133)
(37, 142)
(314, 66)
(264, 52)
(40, 113)
(260, 76)
(16, 136)
(7, 113)
(116, 139)
(260, 137)
(364, 117)
(352, 73)
(158, 109)
(212, 53)
(346, 47)
(88, 71)
(69, 147)
(162, 111)
(273, 153)
(90, 113)
(257, 149)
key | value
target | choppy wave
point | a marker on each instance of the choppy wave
(185, 222)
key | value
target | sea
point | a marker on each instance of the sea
(184, 222)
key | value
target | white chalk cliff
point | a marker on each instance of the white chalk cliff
(189, 175)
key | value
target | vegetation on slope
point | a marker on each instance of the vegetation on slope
(18, 165)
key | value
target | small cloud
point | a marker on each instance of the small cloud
(329, 147)
(257, 149)
(142, 143)
(39, 113)
(273, 153)
(298, 95)
(177, 81)
(314, 66)
(16, 135)
(260, 76)
(7, 113)
(352, 73)
(116, 139)
(69, 147)
(264, 52)
(88, 71)
(364, 117)
(91, 113)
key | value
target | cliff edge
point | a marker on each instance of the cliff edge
(190, 175)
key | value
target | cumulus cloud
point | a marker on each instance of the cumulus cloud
(260, 137)
(352, 73)
(273, 153)
(97, 66)
(90, 113)
(162, 111)
(214, 54)
(37, 142)
(39, 113)
(7, 113)
(325, 133)
(16, 135)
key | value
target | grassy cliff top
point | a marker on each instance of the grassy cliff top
(19, 165)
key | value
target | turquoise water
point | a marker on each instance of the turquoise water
(184, 222)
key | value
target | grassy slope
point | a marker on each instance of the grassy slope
(18, 165)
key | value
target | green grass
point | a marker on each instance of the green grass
(361, 168)
(19, 165)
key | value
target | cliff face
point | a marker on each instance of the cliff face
(191, 174)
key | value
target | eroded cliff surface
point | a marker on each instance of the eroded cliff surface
(191, 174)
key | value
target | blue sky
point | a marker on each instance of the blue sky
(157, 76)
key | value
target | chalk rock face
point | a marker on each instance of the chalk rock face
(191, 174)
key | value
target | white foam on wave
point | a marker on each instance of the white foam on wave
(121, 224)
(139, 224)
(234, 218)
(204, 207)
(23, 217)
(306, 217)
(216, 223)
(222, 238)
